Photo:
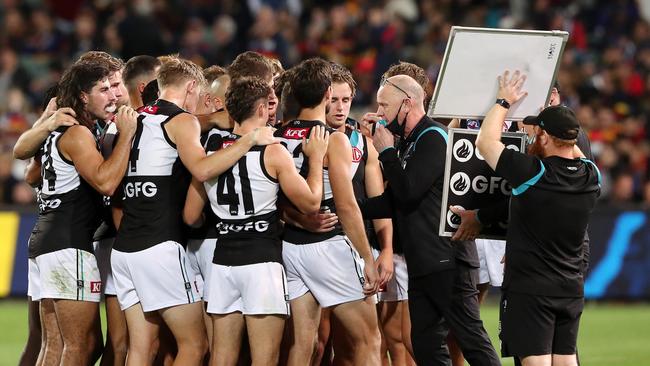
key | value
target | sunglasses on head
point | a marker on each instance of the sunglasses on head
(385, 81)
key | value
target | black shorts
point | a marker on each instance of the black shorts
(533, 325)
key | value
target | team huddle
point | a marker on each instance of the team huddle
(203, 194)
(239, 216)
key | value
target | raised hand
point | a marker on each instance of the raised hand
(510, 87)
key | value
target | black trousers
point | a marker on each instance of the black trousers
(443, 301)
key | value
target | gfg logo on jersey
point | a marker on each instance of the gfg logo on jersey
(463, 150)
(357, 155)
(44, 204)
(138, 189)
(460, 183)
(296, 132)
(257, 226)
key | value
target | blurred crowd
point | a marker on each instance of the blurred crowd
(605, 72)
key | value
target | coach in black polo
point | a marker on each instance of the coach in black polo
(554, 192)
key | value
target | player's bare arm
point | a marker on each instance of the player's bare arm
(31, 140)
(339, 156)
(383, 227)
(488, 140)
(78, 145)
(194, 203)
(184, 131)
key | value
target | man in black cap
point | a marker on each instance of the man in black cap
(554, 192)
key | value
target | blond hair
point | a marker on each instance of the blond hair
(175, 70)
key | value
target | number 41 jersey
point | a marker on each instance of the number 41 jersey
(244, 200)
(155, 185)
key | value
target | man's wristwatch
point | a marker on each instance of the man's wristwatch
(504, 103)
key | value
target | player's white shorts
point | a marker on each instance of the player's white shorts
(157, 277)
(33, 279)
(69, 274)
(331, 270)
(398, 286)
(103, 254)
(200, 254)
(490, 255)
(253, 289)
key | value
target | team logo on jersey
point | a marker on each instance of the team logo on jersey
(357, 155)
(513, 147)
(296, 132)
(463, 150)
(227, 143)
(460, 183)
(453, 220)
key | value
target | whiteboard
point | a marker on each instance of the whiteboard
(467, 83)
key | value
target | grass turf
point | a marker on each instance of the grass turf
(610, 334)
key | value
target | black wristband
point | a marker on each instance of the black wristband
(504, 103)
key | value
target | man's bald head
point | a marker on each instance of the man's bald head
(399, 97)
(405, 86)
(219, 86)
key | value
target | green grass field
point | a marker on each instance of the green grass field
(610, 334)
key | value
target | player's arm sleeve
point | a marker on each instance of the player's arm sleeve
(379, 207)
(495, 213)
(522, 171)
(425, 166)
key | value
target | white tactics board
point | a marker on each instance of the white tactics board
(474, 57)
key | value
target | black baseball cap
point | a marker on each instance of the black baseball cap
(558, 121)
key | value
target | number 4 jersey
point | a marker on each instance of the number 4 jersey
(67, 205)
(244, 200)
(155, 185)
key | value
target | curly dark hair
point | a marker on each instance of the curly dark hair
(80, 77)
(113, 63)
(341, 74)
(243, 96)
(417, 73)
(310, 81)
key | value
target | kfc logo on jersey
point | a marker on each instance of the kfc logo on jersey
(296, 132)
(151, 109)
(95, 287)
(357, 155)
(227, 143)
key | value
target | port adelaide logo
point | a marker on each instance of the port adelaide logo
(463, 150)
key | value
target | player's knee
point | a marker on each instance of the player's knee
(196, 346)
(565, 360)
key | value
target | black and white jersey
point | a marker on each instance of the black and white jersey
(211, 142)
(291, 135)
(106, 134)
(67, 205)
(244, 201)
(155, 185)
(359, 145)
